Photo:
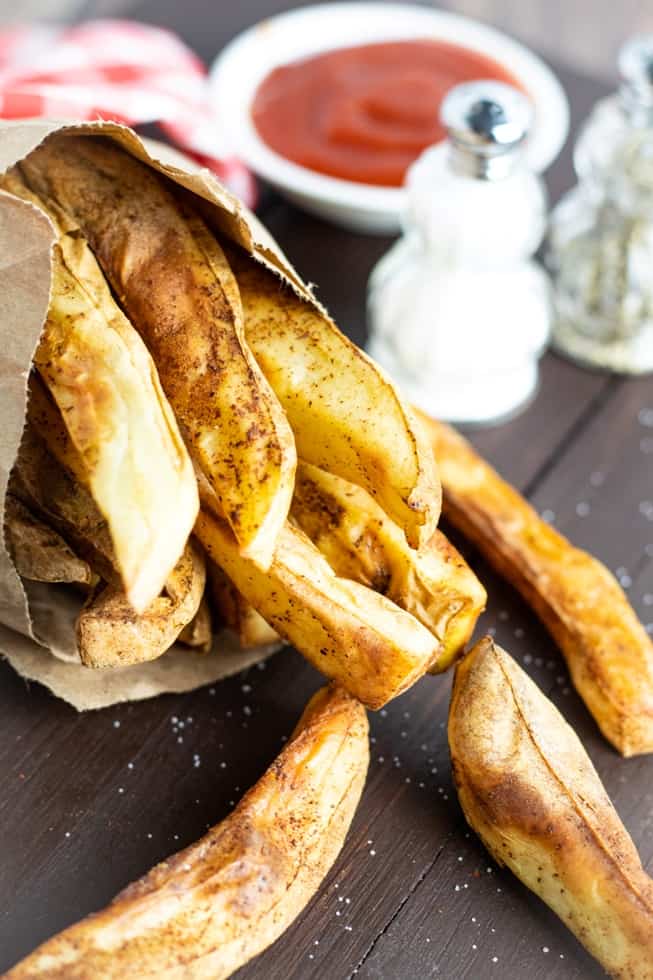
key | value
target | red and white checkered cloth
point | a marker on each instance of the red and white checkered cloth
(119, 70)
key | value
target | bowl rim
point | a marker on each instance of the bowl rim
(376, 22)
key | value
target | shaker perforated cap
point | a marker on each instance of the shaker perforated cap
(487, 122)
(636, 70)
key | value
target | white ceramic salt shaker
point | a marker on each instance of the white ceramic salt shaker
(459, 311)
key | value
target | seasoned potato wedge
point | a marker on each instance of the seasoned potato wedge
(213, 906)
(360, 542)
(609, 655)
(199, 632)
(49, 489)
(346, 415)
(110, 633)
(107, 388)
(530, 792)
(236, 612)
(172, 277)
(39, 552)
(348, 632)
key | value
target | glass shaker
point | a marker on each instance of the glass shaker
(601, 238)
(459, 311)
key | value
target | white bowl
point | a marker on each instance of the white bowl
(245, 61)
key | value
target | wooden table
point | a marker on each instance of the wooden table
(89, 802)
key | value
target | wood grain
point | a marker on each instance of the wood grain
(89, 802)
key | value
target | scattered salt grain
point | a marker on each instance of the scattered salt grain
(121, 789)
(116, 724)
(545, 949)
(246, 688)
(548, 516)
(597, 478)
(645, 417)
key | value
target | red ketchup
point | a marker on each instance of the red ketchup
(365, 113)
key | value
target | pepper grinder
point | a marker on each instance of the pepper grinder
(601, 239)
(459, 312)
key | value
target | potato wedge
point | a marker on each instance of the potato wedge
(346, 415)
(609, 654)
(360, 542)
(110, 633)
(107, 388)
(235, 611)
(38, 552)
(172, 277)
(529, 790)
(348, 632)
(209, 909)
(51, 491)
(199, 632)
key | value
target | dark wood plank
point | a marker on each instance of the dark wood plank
(89, 802)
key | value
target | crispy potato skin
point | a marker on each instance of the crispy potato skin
(49, 489)
(346, 414)
(529, 790)
(213, 906)
(236, 612)
(172, 277)
(110, 633)
(348, 632)
(106, 386)
(609, 655)
(360, 542)
(38, 552)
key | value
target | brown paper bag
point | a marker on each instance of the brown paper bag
(37, 621)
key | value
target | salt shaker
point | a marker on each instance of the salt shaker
(459, 311)
(601, 240)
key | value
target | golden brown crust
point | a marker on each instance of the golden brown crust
(176, 285)
(529, 790)
(360, 542)
(210, 908)
(348, 632)
(110, 633)
(106, 386)
(346, 415)
(52, 492)
(609, 655)
(38, 552)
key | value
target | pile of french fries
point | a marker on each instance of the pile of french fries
(203, 447)
(202, 443)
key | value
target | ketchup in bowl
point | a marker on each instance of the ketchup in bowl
(365, 113)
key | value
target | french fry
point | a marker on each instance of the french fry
(360, 542)
(346, 415)
(529, 790)
(348, 632)
(107, 388)
(47, 486)
(236, 612)
(609, 654)
(110, 633)
(172, 277)
(38, 552)
(210, 908)
(199, 632)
